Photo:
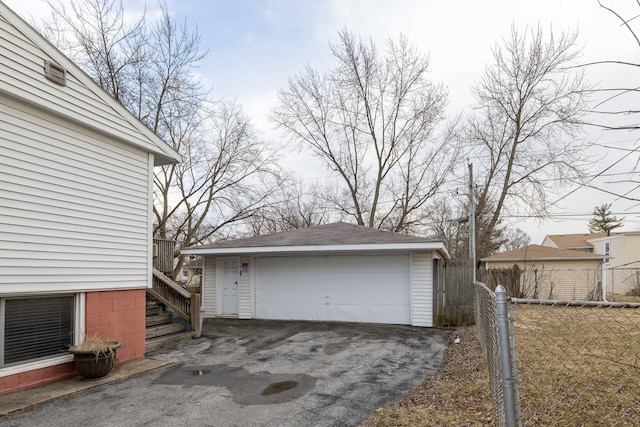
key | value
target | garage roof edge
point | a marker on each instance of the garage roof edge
(432, 246)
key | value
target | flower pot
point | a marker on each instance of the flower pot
(93, 364)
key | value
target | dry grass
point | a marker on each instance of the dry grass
(624, 298)
(95, 344)
(578, 366)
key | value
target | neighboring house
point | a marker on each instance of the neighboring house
(552, 273)
(335, 272)
(76, 176)
(622, 252)
(576, 242)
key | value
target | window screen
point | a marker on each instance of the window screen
(35, 328)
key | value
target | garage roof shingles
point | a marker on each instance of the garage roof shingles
(339, 233)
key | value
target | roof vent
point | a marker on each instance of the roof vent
(55, 73)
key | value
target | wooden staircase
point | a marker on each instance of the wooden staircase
(173, 314)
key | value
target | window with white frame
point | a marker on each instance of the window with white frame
(35, 328)
(607, 252)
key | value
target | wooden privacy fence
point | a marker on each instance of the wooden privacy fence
(163, 255)
(454, 296)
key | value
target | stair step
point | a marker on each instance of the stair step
(154, 310)
(153, 344)
(151, 301)
(159, 319)
(169, 328)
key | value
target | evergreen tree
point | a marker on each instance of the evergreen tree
(603, 220)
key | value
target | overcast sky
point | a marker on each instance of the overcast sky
(256, 45)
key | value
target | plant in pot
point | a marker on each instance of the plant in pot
(95, 357)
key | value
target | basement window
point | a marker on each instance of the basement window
(35, 328)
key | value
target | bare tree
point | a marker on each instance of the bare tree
(449, 223)
(614, 109)
(515, 238)
(372, 120)
(448, 220)
(294, 205)
(97, 37)
(627, 15)
(227, 171)
(526, 125)
(226, 177)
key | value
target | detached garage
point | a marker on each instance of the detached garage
(340, 272)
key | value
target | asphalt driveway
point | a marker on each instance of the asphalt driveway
(261, 373)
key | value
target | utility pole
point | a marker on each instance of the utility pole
(472, 224)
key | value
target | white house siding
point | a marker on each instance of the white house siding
(622, 272)
(617, 276)
(422, 289)
(245, 289)
(559, 279)
(22, 75)
(208, 287)
(626, 278)
(74, 206)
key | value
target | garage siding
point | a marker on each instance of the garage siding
(376, 288)
(422, 289)
(245, 297)
(209, 287)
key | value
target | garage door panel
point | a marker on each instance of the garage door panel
(291, 265)
(343, 312)
(333, 264)
(347, 288)
(297, 291)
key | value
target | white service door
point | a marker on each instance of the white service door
(354, 288)
(229, 287)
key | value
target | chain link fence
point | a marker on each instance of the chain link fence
(488, 321)
(578, 362)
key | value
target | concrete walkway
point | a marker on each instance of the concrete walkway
(28, 399)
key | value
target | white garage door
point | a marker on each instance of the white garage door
(371, 288)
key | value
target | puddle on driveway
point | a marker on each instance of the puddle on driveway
(334, 348)
(278, 387)
(261, 388)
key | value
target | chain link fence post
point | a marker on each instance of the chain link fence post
(514, 365)
(505, 356)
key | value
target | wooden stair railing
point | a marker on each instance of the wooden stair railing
(177, 299)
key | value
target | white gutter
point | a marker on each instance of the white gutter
(439, 246)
